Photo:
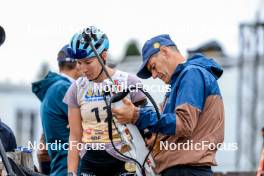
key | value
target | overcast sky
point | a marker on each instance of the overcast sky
(36, 30)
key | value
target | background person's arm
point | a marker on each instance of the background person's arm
(74, 117)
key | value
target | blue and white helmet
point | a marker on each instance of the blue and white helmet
(80, 48)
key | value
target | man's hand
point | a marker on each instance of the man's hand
(149, 142)
(128, 113)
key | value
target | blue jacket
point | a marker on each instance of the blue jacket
(54, 117)
(191, 83)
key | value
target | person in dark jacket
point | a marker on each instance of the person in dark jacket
(8, 138)
(193, 111)
(54, 113)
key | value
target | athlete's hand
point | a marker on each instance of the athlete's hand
(128, 113)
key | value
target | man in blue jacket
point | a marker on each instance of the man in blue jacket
(192, 119)
(54, 113)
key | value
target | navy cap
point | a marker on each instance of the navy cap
(151, 47)
(64, 55)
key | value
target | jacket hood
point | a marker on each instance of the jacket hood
(40, 88)
(201, 61)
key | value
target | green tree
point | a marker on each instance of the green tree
(132, 49)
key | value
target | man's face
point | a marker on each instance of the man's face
(157, 65)
(90, 67)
